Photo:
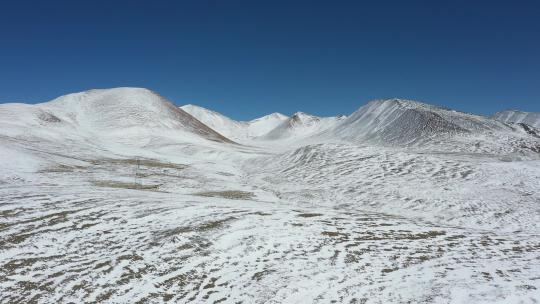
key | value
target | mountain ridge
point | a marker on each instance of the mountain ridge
(517, 116)
(237, 130)
(105, 113)
(123, 113)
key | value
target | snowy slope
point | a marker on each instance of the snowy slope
(396, 122)
(109, 114)
(301, 125)
(263, 125)
(405, 121)
(514, 116)
(121, 109)
(236, 130)
(116, 196)
(453, 188)
(101, 124)
(218, 122)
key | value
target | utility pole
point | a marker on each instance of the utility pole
(137, 179)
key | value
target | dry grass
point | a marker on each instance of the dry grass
(227, 194)
(124, 185)
(150, 163)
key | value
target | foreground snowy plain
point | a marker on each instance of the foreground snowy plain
(175, 214)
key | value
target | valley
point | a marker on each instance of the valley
(114, 196)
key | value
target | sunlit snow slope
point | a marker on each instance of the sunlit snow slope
(101, 123)
(109, 115)
(106, 113)
(514, 116)
(118, 196)
(396, 122)
(237, 130)
(301, 125)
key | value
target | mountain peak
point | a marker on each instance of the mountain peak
(407, 103)
(117, 110)
(133, 96)
(272, 116)
(237, 130)
(303, 118)
(402, 121)
(303, 114)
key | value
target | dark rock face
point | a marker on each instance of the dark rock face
(414, 125)
(48, 117)
(529, 129)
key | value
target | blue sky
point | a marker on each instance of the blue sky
(246, 59)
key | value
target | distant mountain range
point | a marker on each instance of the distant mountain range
(384, 122)
(237, 130)
(139, 117)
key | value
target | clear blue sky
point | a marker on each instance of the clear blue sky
(246, 59)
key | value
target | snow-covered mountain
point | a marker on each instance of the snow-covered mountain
(107, 113)
(263, 125)
(119, 196)
(129, 121)
(236, 130)
(407, 123)
(139, 117)
(301, 125)
(218, 122)
(514, 116)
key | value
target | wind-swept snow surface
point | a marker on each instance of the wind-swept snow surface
(116, 196)
(513, 116)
